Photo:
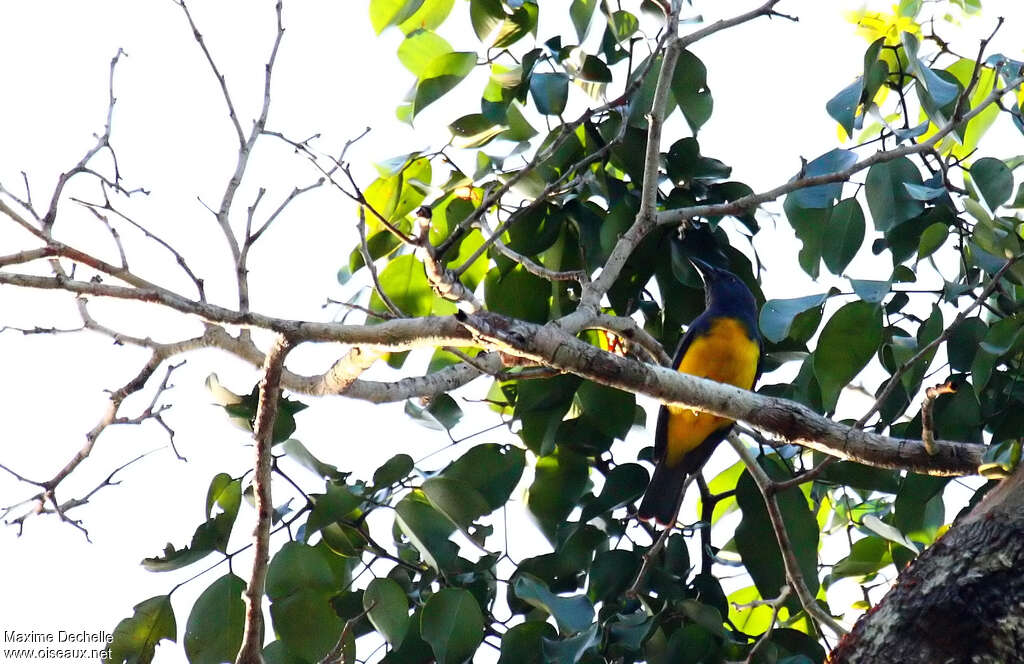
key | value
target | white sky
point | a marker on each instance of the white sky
(172, 136)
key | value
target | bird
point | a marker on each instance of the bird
(724, 345)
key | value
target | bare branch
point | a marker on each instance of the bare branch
(263, 429)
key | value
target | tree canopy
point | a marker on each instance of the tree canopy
(520, 288)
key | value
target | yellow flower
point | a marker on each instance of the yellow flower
(872, 25)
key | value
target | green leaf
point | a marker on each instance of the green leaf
(135, 639)
(690, 90)
(888, 199)
(777, 316)
(1000, 460)
(441, 413)
(622, 485)
(518, 294)
(611, 574)
(963, 343)
(550, 92)
(559, 481)
(522, 21)
(847, 343)
(429, 16)
(809, 224)
(932, 239)
(887, 532)
(330, 507)
(535, 228)
(845, 232)
(580, 13)
(823, 195)
(296, 451)
(623, 25)
(296, 567)
(922, 193)
(569, 650)
(941, 91)
(994, 181)
(473, 131)
(871, 290)
(493, 470)
(394, 469)
(452, 624)
(485, 15)
(755, 539)
(441, 75)
(521, 644)
(428, 530)
(306, 624)
(214, 629)
(420, 48)
(573, 614)
(607, 409)
(457, 500)
(843, 107)
(405, 282)
(384, 13)
(387, 608)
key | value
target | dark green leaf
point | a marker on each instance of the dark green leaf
(485, 15)
(963, 343)
(809, 224)
(394, 469)
(569, 650)
(473, 131)
(888, 199)
(522, 21)
(823, 195)
(755, 539)
(849, 340)
(428, 530)
(387, 608)
(298, 453)
(994, 180)
(845, 232)
(135, 639)
(607, 409)
(214, 629)
(843, 107)
(457, 500)
(622, 485)
(932, 239)
(623, 24)
(941, 91)
(573, 614)
(297, 567)
(521, 644)
(306, 623)
(334, 505)
(452, 624)
(550, 92)
(777, 315)
(493, 470)
(559, 481)
(580, 12)
(690, 90)
(517, 294)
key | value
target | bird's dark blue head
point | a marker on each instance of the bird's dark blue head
(726, 292)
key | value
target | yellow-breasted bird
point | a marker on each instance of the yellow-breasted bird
(722, 344)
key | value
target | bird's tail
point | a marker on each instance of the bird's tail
(662, 494)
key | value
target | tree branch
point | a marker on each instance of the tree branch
(793, 573)
(263, 429)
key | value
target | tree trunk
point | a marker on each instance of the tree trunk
(962, 600)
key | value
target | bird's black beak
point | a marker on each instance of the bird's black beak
(706, 270)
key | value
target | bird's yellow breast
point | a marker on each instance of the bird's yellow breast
(726, 354)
